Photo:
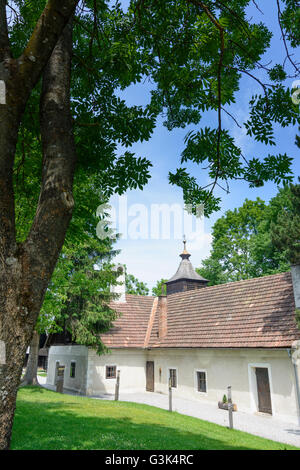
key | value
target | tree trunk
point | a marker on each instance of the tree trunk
(30, 377)
(18, 314)
(26, 269)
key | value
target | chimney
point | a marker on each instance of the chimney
(120, 288)
(162, 316)
(295, 270)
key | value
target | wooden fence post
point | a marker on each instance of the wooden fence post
(170, 394)
(230, 407)
(117, 387)
(60, 378)
(56, 372)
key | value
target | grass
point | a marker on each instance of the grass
(41, 373)
(47, 420)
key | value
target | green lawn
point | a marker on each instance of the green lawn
(47, 420)
(41, 373)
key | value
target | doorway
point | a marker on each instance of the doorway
(263, 390)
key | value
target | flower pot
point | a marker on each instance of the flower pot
(224, 406)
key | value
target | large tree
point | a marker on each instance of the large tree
(243, 246)
(197, 53)
(285, 229)
(26, 269)
(28, 263)
(194, 52)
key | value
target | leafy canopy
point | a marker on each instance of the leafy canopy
(242, 246)
(160, 288)
(134, 286)
(195, 55)
(285, 230)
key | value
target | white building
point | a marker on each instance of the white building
(242, 334)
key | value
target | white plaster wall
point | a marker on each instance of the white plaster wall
(65, 355)
(223, 368)
(229, 367)
(130, 362)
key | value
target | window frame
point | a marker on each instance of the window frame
(73, 376)
(176, 369)
(196, 381)
(106, 367)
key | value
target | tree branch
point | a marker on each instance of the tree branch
(232, 117)
(55, 205)
(284, 39)
(19, 76)
(219, 73)
(257, 7)
(263, 85)
(48, 29)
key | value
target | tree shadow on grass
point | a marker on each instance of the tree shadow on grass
(61, 426)
(33, 388)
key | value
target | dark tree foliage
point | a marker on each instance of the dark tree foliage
(285, 231)
(297, 142)
(134, 286)
(196, 55)
(160, 288)
(79, 295)
(242, 246)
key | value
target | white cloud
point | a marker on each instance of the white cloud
(201, 245)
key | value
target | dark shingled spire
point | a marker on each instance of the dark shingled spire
(185, 277)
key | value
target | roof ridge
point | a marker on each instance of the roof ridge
(140, 296)
(231, 283)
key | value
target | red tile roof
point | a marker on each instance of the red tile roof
(131, 327)
(252, 313)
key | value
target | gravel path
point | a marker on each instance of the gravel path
(260, 425)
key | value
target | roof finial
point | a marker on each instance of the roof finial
(185, 253)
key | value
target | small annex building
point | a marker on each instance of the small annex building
(203, 338)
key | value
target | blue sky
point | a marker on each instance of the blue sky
(152, 259)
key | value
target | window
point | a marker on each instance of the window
(111, 372)
(201, 381)
(173, 377)
(72, 369)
